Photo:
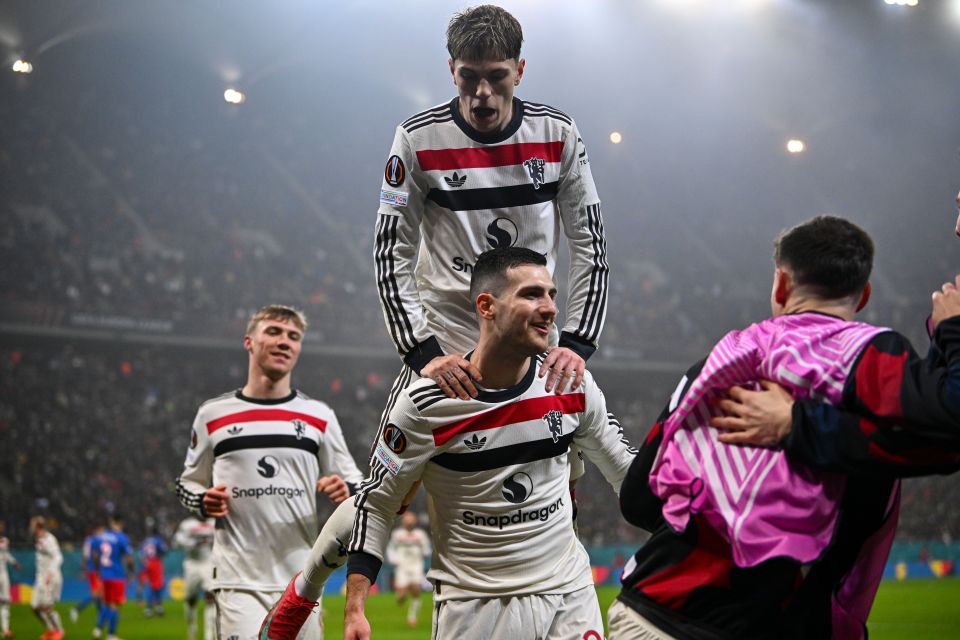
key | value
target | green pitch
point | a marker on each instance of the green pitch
(911, 610)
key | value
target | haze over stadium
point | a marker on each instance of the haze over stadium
(167, 168)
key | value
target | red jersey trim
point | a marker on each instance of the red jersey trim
(513, 413)
(266, 415)
(485, 157)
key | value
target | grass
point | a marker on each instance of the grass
(914, 610)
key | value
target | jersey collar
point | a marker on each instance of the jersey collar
(502, 395)
(288, 398)
(494, 136)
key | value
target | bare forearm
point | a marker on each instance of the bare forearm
(355, 625)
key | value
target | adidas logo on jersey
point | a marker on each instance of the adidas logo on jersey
(455, 181)
(234, 430)
(476, 443)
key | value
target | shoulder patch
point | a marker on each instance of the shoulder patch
(394, 438)
(394, 173)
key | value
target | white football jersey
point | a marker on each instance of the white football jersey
(496, 469)
(269, 454)
(49, 557)
(449, 194)
(408, 548)
(195, 537)
(5, 558)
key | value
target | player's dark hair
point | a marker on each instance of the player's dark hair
(484, 32)
(828, 255)
(490, 271)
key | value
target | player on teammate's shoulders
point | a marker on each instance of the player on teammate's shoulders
(484, 169)
(409, 546)
(195, 537)
(152, 551)
(255, 463)
(113, 556)
(6, 558)
(507, 563)
(49, 582)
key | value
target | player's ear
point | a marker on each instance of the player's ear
(248, 344)
(485, 304)
(453, 70)
(782, 286)
(864, 297)
(520, 65)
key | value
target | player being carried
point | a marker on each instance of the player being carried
(409, 546)
(482, 170)
(506, 562)
(256, 460)
(195, 537)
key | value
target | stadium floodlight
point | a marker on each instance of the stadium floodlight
(616, 138)
(234, 97)
(795, 146)
(22, 66)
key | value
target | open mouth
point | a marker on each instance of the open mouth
(483, 113)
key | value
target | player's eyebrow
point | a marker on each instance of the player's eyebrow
(538, 289)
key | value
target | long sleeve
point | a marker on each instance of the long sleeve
(600, 436)
(197, 473)
(398, 461)
(579, 206)
(900, 413)
(397, 240)
(334, 456)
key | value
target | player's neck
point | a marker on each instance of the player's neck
(500, 368)
(801, 304)
(262, 387)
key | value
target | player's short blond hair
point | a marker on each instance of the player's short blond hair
(277, 312)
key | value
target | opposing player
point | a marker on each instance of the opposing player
(255, 463)
(408, 547)
(6, 558)
(93, 577)
(195, 537)
(113, 556)
(755, 543)
(482, 170)
(152, 551)
(49, 582)
(507, 563)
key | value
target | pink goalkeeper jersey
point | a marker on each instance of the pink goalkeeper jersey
(795, 513)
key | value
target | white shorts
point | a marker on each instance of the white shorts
(197, 577)
(47, 593)
(626, 624)
(571, 616)
(240, 614)
(409, 575)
